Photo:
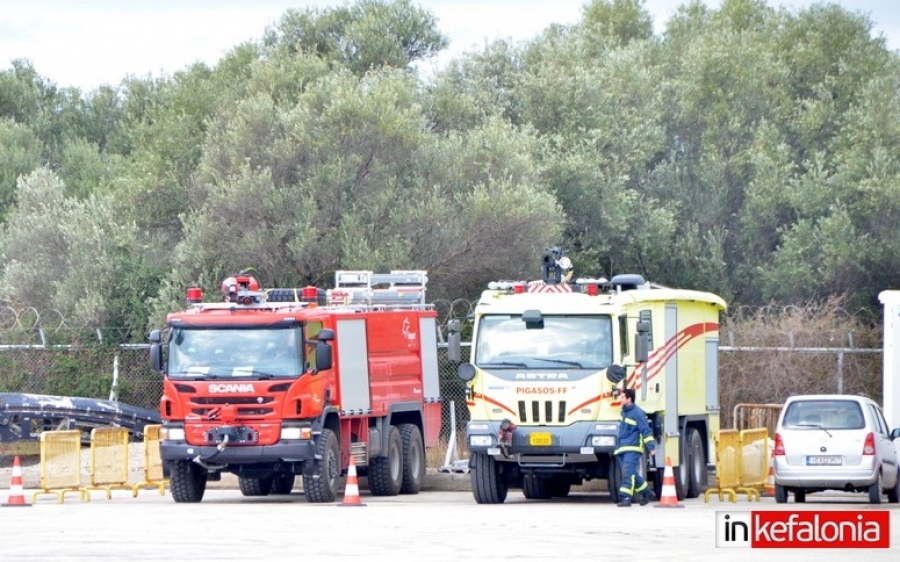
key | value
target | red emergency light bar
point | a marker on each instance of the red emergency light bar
(194, 295)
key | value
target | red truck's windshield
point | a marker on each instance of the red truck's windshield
(235, 352)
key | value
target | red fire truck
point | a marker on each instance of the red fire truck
(273, 384)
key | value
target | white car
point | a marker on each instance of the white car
(834, 442)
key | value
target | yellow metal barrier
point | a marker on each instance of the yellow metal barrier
(755, 461)
(61, 465)
(153, 469)
(727, 469)
(730, 456)
(109, 460)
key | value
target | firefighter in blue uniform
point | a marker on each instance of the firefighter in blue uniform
(634, 435)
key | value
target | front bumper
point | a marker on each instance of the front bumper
(286, 451)
(580, 442)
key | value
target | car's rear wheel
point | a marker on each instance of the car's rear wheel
(893, 494)
(780, 494)
(875, 490)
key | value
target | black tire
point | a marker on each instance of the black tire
(682, 472)
(187, 480)
(780, 494)
(413, 459)
(322, 485)
(385, 473)
(893, 495)
(800, 496)
(614, 480)
(488, 485)
(698, 474)
(875, 490)
(559, 487)
(255, 486)
(535, 488)
(282, 484)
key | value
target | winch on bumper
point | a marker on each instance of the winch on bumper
(577, 443)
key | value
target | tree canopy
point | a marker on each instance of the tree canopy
(748, 151)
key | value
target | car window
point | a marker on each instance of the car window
(829, 414)
(880, 424)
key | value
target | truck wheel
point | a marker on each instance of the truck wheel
(536, 488)
(699, 475)
(488, 485)
(385, 473)
(559, 487)
(682, 472)
(187, 480)
(413, 459)
(614, 481)
(255, 486)
(282, 484)
(322, 485)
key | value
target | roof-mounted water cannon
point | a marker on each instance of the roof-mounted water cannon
(242, 289)
(554, 265)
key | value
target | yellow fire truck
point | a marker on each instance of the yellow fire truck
(548, 362)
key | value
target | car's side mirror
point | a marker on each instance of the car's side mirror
(895, 433)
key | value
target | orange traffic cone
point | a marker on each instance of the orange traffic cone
(16, 496)
(669, 497)
(351, 490)
(769, 491)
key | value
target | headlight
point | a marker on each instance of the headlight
(603, 441)
(296, 432)
(171, 433)
(290, 433)
(480, 440)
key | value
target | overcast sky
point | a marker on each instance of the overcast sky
(92, 42)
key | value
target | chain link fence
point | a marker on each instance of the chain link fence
(90, 365)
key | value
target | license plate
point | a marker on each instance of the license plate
(827, 460)
(540, 439)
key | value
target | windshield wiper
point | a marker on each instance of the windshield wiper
(194, 375)
(503, 364)
(816, 425)
(561, 361)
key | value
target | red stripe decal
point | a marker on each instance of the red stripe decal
(661, 356)
(494, 402)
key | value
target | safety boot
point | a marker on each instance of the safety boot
(624, 502)
(647, 496)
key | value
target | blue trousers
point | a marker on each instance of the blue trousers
(632, 481)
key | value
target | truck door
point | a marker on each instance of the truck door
(353, 362)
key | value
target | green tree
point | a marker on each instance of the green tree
(366, 35)
(69, 255)
(20, 153)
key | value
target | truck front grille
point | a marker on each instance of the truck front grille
(542, 411)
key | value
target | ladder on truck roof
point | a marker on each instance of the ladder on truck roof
(399, 287)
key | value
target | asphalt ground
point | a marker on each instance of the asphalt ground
(429, 526)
